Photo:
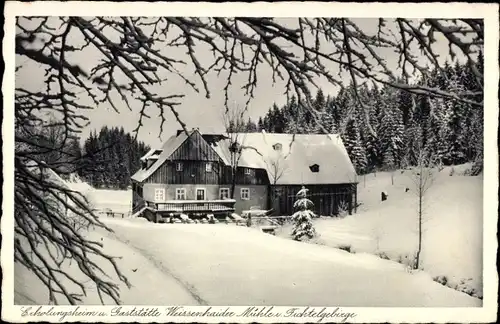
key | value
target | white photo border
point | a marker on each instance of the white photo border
(488, 12)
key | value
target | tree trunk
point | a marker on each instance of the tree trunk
(419, 250)
(233, 181)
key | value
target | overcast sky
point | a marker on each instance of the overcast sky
(195, 110)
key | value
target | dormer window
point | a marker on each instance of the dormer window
(150, 162)
(277, 147)
(179, 166)
(314, 168)
(248, 171)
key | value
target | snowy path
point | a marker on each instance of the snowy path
(154, 263)
(151, 284)
(230, 265)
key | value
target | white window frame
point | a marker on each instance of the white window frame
(179, 167)
(204, 193)
(208, 167)
(247, 196)
(248, 171)
(159, 192)
(224, 190)
(180, 191)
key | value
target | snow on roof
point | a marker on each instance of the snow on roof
(168, 148)
(286, 163)
(289, 162)
(151, 154)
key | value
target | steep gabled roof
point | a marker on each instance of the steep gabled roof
(297, 159)
(291, 161)
(167, 149)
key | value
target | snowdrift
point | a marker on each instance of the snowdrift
(452, 229)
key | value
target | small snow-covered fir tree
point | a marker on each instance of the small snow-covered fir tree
(303, 216)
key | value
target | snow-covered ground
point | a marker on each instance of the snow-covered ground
(119, 201)
(452, 229)
(233, 265)
(219, 264)
(150, 286)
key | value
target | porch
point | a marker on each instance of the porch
(193, 209)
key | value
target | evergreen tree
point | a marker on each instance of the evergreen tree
(251, 127)
(75, 155)
(277, 120)
(110, 157)
(404, 103)
(320, 124)
(391, 133)
(333, 115)
(454, 135)
(413, 140)
(354, 147)
(448, 131)
(293, 125)
(303, 216)
(260, 125)
(373, 145)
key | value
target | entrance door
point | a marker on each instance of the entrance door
(200, 194)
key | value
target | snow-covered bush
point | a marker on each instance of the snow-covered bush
(477, 168)
(346, 248)
(382, 255)
(441, 279)
(302, 218)
(464, 286)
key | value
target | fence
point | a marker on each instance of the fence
(194, 206)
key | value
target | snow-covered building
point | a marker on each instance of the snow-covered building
(269, 170)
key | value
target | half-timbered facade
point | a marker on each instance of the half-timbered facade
(270, 170)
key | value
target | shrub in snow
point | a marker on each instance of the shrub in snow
(477, 168)
(441, 279)
(302, 218)
(346, 248)
(410, 261)
(382, 255)
(464, 286)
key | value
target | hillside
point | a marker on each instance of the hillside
(452, 229)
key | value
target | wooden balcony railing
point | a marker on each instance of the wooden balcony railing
(193, 206)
